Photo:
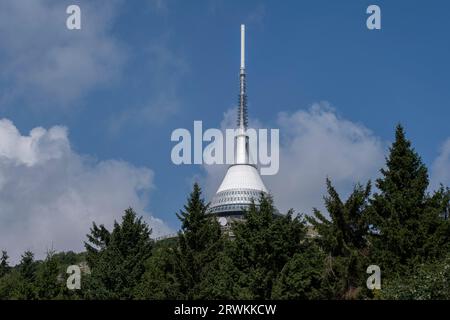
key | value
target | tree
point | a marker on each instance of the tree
(403, 216)
(4, 266)
(344, 238)
(262, 245)
(12, 286)
(158, 281)
(437, 229)
(25, 287)
(48, 285)
(27, 266)
(117, 259)
(303, 277)
(199, 241)
(430, 281)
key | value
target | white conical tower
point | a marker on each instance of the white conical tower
(242, 181)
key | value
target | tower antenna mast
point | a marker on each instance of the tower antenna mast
(242, 111)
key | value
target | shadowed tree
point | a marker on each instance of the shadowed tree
(344, 238)
(4, 265)
(262, 245)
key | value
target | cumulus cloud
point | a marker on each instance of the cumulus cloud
(39, 56)
(315, 144)
(50, 195)
(440, 169)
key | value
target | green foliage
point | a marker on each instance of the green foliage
(303, 276)
(199, 242)
(262, 246)
(117, 259)
(27, 277)
(220, 278)
(13, 287)
(403, 216)
(344, 239)
(403, 228)
(48, 284)
(426, 282)
(19, 282)
(158, 281)
(4, 265)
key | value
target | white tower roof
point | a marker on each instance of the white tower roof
(242, 176)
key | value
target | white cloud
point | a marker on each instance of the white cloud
(43, 61)
(315, 144)
(440, 169)
(50, 195)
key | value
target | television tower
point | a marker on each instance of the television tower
(242, 182)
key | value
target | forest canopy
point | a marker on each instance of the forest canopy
(401, 227)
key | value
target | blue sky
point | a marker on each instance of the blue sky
(137, 70)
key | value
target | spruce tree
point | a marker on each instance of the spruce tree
(303, 277)
(19, 282)
(117, 259)
(436, 230)
(4, 266)
(403, 216)
(199, 242)
(343, 238)
(48, 283)
(262, 245)
(26, 289)
(158, 281)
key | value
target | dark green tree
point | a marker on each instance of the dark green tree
(199, 242)
(49, 280)
(430, 281)
(436, 230)
(403, 216)
(117, 258)
(27, 266)
(303, 277)
(4, 265)
(262, 245)
(221, 277)
(344, 238)
(12, 286)
(159, 281)
(25, 279)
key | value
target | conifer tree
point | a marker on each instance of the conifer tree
(26, 289)
(199, 242)
(344, 238)
(4, 265)
(48, 285)
(158, 281)
(19, 282)
(403, 216)
(116, 259)
(303, 277)
(262, 245)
